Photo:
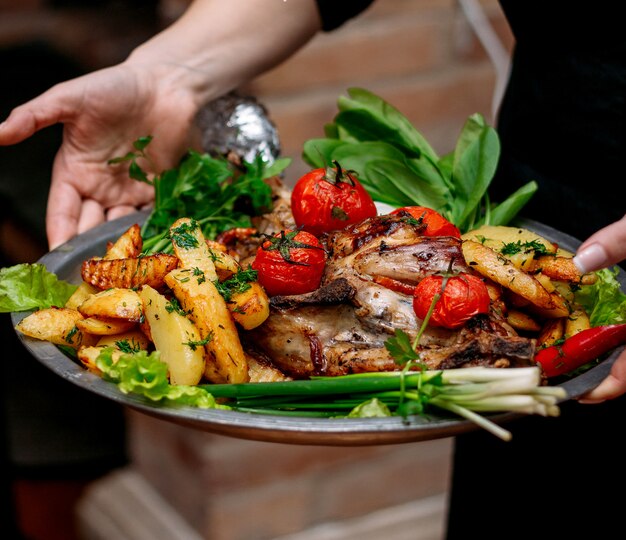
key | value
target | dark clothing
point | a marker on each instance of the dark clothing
(561, 123)
(334, 14)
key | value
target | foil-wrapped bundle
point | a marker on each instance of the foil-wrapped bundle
(239, 124)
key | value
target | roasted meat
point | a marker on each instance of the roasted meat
(342, 327)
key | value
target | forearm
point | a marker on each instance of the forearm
(215, 46)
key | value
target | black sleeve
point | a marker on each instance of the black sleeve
(334, 14)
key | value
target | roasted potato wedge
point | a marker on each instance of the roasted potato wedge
(251, 307)
(259, 371)
(552, 331)
(82, 292)
(56, 325)
(113, 304)
(522, 321)
(489, 263)
(177, 338)
(128, 273)
(131, 341)
(515, 243)
(104, 327)
(578, 320)
(129, 244)
(225, 359)
(558, 268)
(191, 248)
(89, 355)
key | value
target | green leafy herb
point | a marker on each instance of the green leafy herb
(127, 347)
(237, 283)
(193, 345)
(24, 287)
(173, 306)
(211, 190)
(135, 171)
(534, 246)
(398, 166)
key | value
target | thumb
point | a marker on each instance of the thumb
(603, 248)
(34, 115)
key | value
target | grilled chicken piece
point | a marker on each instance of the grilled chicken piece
(342, 327)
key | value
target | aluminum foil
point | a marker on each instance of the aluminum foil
(240, 124)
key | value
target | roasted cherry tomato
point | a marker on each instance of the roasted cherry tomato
(436, 224)
(463, 297)
(291, 262)
(329, 199)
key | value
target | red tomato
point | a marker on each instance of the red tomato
(291, 262)
(436, 224)
(463, 297)
(328, 199)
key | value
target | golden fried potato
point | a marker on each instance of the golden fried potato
(191, 248)
(129, 244)
(552, 331)
(517, 244)
(128, 273)
(89, 355)
(251, 307)
(113, 304)
(522, 321)
(82, 292)
(177, 338)
(225, 359)
(56, 325)
(130, 341)
(489, 263)
(558, 268)
(578, 320)
(225, 264)
(264, 372)
(100, 326)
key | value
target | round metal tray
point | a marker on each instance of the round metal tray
(65, 262)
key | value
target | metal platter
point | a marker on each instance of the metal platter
(65, 262)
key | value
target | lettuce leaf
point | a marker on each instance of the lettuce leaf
(145, 374)
(604, 301)
(25, 287)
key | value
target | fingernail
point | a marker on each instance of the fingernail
(593, 257)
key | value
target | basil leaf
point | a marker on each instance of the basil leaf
(387, 114)
(415, 191)
(475, 160)
(318, 153)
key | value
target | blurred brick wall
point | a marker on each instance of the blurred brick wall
(420, 55)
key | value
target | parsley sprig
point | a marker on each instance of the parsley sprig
(212, 190)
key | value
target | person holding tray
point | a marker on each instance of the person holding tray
(560, 123)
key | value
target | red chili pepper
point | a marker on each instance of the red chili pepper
(580, 348)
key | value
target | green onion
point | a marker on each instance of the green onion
(465, 392)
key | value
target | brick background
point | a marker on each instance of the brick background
(231, 489)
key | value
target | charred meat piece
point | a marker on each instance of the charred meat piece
(333, 334)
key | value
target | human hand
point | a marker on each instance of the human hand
(103, 113)
(602, 249)
(206, 53)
